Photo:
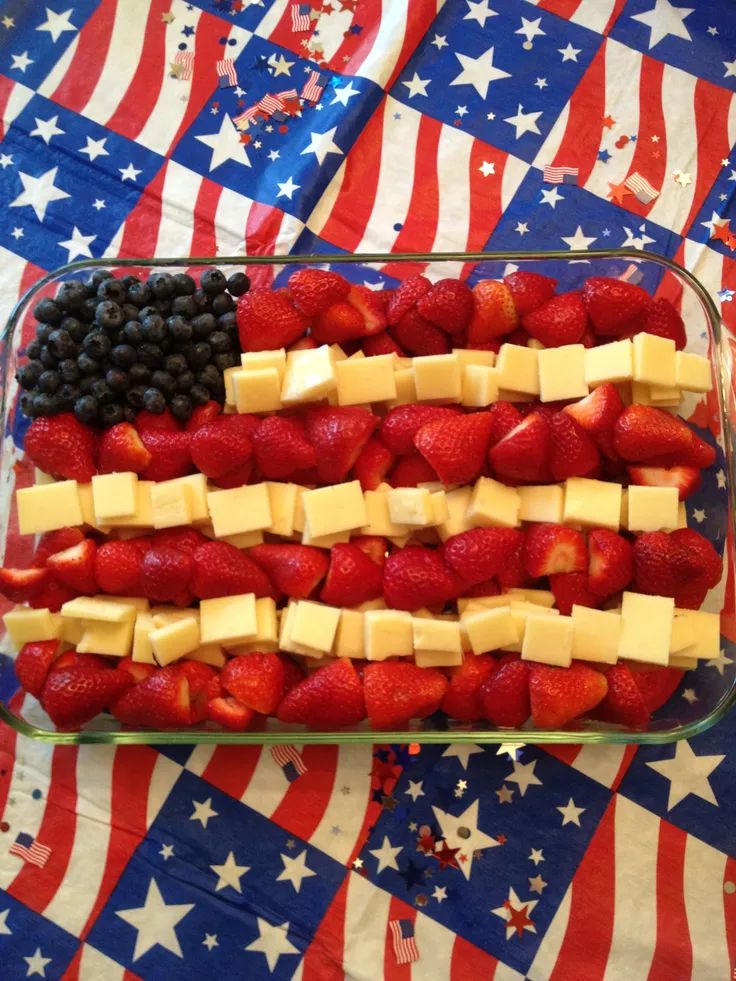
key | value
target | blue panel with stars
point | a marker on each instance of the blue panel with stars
(715, 223)
(243, 13)
(694, 38)
(287, 162)
(55, 216)
(216, 887)
(30, 944)
(475, 827)
(486, 72)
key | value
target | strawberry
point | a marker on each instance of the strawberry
(185, 539)
(337, 324)
(51, 596)
(21, 585)
(643, 433)
(417, 336)
(685, 479)
(504, 417)
(382, 343)
(652, 571)
(529, 290)
(62, 446)
(397, 691)
(614, 305)
(597, 414)
(160, 421)
(494, 313)
(295, 570)
(663, 320)
(656, 685)
(448, 305)
(281, 448)
(268, 319)
(374, 546)
(488, 587)
(559, 695)
(504, 696)
(329, 698)
(118, 568)
(55, 541)
(229, 713)
(165, 573)
(237, 477)
(551, 548)
(462, 699)
(572, 589)
(170, 454)
(481, 553)
(370, 306)
(223, 444)
(696, 567)
(513, 573)
(411, 471)
(611, 562)
(137, 670)
(353, 577)
(561, 320)
(32, 663)
(72, 697)
(524, 454)
(400, 425)
(204, 684)
(405, 297)
(293, 673)
(374, 462)
(75, 567)
(121, 450)
(314, 290)
(255, 679)
(303, 344)
(161, 701)
(338, 434)
(81, 662)
(573, 452)
(455, 447)
(203, 414)
(623, 702)
(415, 577)
(221, 569)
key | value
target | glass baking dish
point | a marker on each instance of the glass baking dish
(710, 509)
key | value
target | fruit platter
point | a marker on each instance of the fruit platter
(460, 497)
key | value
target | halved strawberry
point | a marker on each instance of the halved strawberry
(645, 434)
(504, 417)
(121, 450)
(448, 305)
(411, 471)
(268, 319)
(559, 695)
(656, 685)
(597, 414)
(685, 479)
(561, 320)
(481, 553)
(611, 565)
(494, 312)
(338, 434)
(488, 587)
(462, 697)
(55, 541)
(295, 570)
(62, 446)
(138, 670)
(184, 538)
(405, 296)
(373, 463)
(329, 698)
(397, 691)
(401, 424)
(161, 701)
(202, 414)
(623, 702)
(165, 572)
(370, 306)
(51, 596)
(573, 451)
(572, 589)
(21, 585)
(171, 454)
(314, 290)
(613, 304)
(414, 577)
(418, 336)
(163, 422)
(663, 320)
(223, 444)
(256, 680)
(75, 567)
(118, 568)
(352, 578)
(281, 448)
(652, 564)
(72, 697)
(504, 696)
(551, 548)
(339, 323)
(524, 454)
(204, 684)
(455, 447)
(382, 343)
(32, 663)
(220, 569)
(293, 673)
(529, 289)
(696, 567)
(73, 660)
(229, 713)
(374, 546)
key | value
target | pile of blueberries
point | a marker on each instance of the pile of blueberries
(108, 348)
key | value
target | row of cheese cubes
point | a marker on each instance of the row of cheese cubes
(267, 381)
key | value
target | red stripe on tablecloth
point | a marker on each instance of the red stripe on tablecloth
(304, 803)
(615, 14)
(323, 958)
(712, 104)
(358, 49)
(582, 137)
(469, 963)
(485, 194)
(76, 88)
(72, 971)
(673, 954)
(629, 754)
(418, 19)
(8, 740)
(651, 123)
(231, 767)
(397, 910)
(142, 224)
(563, 8)
(729, 907)
(564, 753)
(262, 228)
(6, 87)
(204, 238)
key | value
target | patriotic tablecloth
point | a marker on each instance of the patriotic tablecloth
(144, 127)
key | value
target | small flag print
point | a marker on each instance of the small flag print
(227, 79)
(643, 190)
(290, 760)
(300, 19)
(404, 944)
(186, 60)
(314, 85)
(559, 175)
(26, 847)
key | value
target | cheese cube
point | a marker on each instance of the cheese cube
(538, 597)
(693, 372)
(665, 395)
(86, 506)
(228, 619)
(592, 503)
(654, 359)
(267, 629)
(681, 515)
(440, 510)
(164, 615)
(410, 506)
(333, 509)
(239, 509)
(114, 496)
(548, 640)
(562, 373)
(379, 516)
(490, 629)
(646, 628)
(612, 362)
(365, 380)
(106, 637)
(227, 379)
(597, 634)
(257, 389)
(406, 389)
(480, 385)
(99, 608)
(245, 539)
(211, 654)
(298, 509)
(39, 477)
(143, 627)
(136, 602)
(438, 659)
(309, 376)
(349, 639)
(683, 663)
(142, 517)
(260, 360)
(170, 506)
(173, 641)
(708, 636)
(432, 634)
(286, 642)
(71, 629)
(45, 507)
(493, 503)
(458, 502)
(641, 393)
(438, 378)
(195, 485)
(511, 395)
(541, 502)
(340, 354)
(476, 603)
(518, 369)
(282, 498)
(520, 612)
(387, 633)
(468, 356)
(25, 625)
(324, 541)
(315, 625)
(652, 508)
(684, 631)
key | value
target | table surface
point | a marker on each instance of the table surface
(427, 129)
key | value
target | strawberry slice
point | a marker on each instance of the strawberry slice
(597, 414)
(419, 336)
(256, 680)
(400, 425)
(268, 319)
(561, 320)
(161, 701)
(652, 569)
(229, 713)
(374, 546)
(646, 434)
(664, 321)
(611, 564)
(405, 297)
(559, 695)
(686, 479)
(414, 577)
(411, 471)
(51, 596)
(551, 548)
(121, 450)
(223, 444)
(21, 585)
(462, 697)
(293, 673)
(338, 434)
(56, 541)
(118, 568)
(455, 447)
(295, 570)
(397, 691)
(504, 417)
(339, 323)
(71, 660)
(504, 696)
(448, 305)
(573, 452)
(623, 702)
(162, 422)
(656, 685)
(220, 569)
(352, 578)
(185, 539)
(482, 553)
(165, 573)
(72, 696)
(382, 343)
(529, 289)
(137, 670)
(171, 454)
(204, 684)
(329, 698)
(572, 589)
(494, 312)
(32, 664)
(281, 447)
(373, 463)
(696, 567)
(75, 567)
(202, 414)
(614, 305)
(62, 446)
(525, 453)
(370, 306)
(312, 291)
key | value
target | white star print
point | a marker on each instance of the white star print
(689, 696)
(99, 204)
(487, 167)
(551, 197)
(273, 154)
(463, 832)
(4, 928)
(721, 479)
(155, 922)
(210, 941)
(636, 241)
(17, 233)
(579, 240)
(461, 111)
(439, 893)
(463, 751)
(95, 148)
(280, 65)
(344, 93)
(511, 750)
(514, 902)
(478, 72)
(229, 873)
(272, 942)
(479, 11)
(8, 22)
(46, 128)
(225, 145)
(730, 67)
(715, 222)
(537, 884)
(541, 83)
(321, 144)
(524, 122)
(386, 855)
(56, 24)
(6, 160)
(78, 244)
(295, 870)
(37, 964)
(569, 53)
(439, 41)
(21, 61)
(699, 515)
(536, 856)
(166, 852)
(38, 192)
(522, 228)
(287, 189)
(530, 28)
(417, 85)
(664, 19)
(128, 173)
(570, 813)
(524, 776)
(414, 790)
(713, 31)
(203, 811)
(720, 662)
(688, 774)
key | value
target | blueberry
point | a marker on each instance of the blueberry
(26, 404)
(132, 333)
(43, 332)
(68, 395)
(45, 404)
(199, 394)
(69, 370)
(140, 294)
(199, 354)
(33, 349)
(202, 299)
(147, 311)
(88, 309)
(128, 414)
(111, 414)
(128, 279)
(220, 342)
(75, 328)
(181, 407)
(154, 329)
(108, 314)
(180, 330)
(71, 295)
(164, 382)
(212, 281)
(117, 379)
(222, 303)
(130, 311)
(47, 311)
(224, 361)
(135, 397)
(203, 325)
(111, 289)
(153, 401)
(184, 381)
(184, 285)
(123, 355)
(162, 285)
(210, 377)
(229, 323)
(184, 306)
(61, 345)
(85, 409)
(46, 358)
(86, 382)
(138, 373)
(97, 345)
(98, 276)
(175, 364)
(102, 391)
(150, 355)
(87, 364)
(162, 307)
(29, 374)
(238, 283)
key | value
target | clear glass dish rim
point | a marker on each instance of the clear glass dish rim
(559, 737)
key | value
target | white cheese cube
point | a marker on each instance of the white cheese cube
(257, 390)
(406, 389)
(309, 376)
(646, 628)
(228, 619)
(349, 639)
(681, 515)
(410, 506)
(654, 359)
(324, 541)
(315, 625)
(480, 385)
(171, 642)
(537, 597)
(562, 373)
(434, 634)
(258, 360)
(693, 372)
(211, 654)
(548, 640)
(340, 354)
(387, 633)
(170, 505)
(592, 503)
(239, 509)
(597, 634)
(114, 496)
(665, 395)
(652, 508)
(25, 625)
(493, 504)
(541, 502)
(475, 603)
(490, 629)
(520, 612)
(227, 379)
(282, 499)
(142, 517)
(438, 659)
(612, 362)
(105, 637)
(468, 356)
(708, 636)
(333, 509)
(366, 380)
(105, 608)
(195, 485)
(379, 516)
(45, 507)
(684, 631)
(86, 505)
(245, 539)
(440, 509)
(142, 629)
(286, 643)
(438, 378)
(683, 663)
(458, 502)
(518, 369)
